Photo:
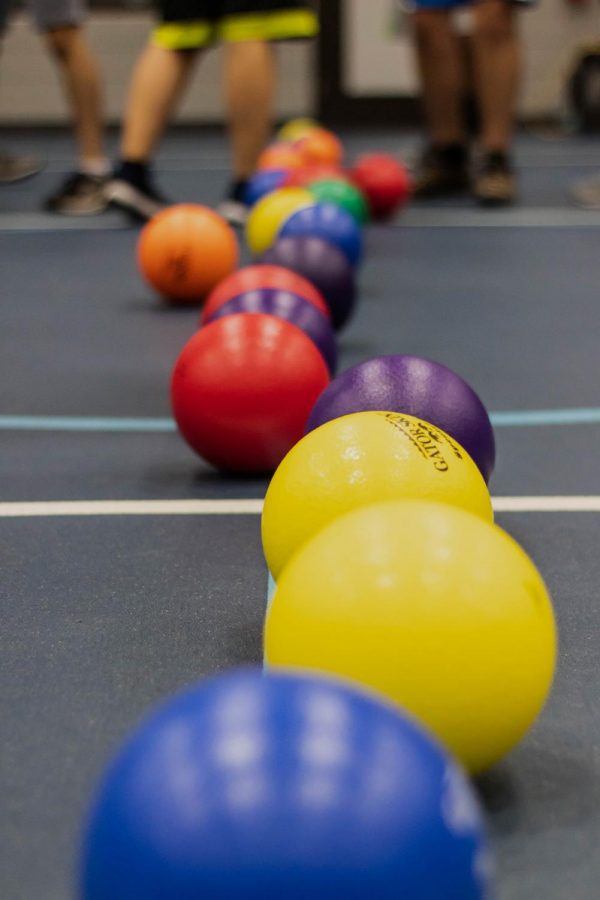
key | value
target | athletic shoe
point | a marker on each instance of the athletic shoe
(79, 195)
(135, 196)
(233, 207)
(234, 211)
(586, 194)
(442, 170)
(494, 183)
(17, 168)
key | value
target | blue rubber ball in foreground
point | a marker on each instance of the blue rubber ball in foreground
(282, 787)
(329, 222)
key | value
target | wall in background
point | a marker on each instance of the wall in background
(30, 93)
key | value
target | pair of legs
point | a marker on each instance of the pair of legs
(160, 78)
(496, 73)
(248, 30)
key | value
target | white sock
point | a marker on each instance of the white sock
(97, 167)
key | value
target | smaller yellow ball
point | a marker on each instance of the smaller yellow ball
(268, 215)
(296, 129)
(358, 459)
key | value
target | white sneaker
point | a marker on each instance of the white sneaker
(586, 194)
(140, 204)
(234, 211)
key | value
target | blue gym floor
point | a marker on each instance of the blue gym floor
(108, 608)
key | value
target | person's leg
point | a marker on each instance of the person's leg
(14, 167)
(250, 29)
(159, 79)
(497, 70)
(443, 168)
(83, 88)
(249, 86)
(441, 75)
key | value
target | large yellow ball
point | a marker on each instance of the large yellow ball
(268, 215)
(296, 129)
(358, 459)
(435, 608)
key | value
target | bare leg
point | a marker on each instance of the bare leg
(250, 79)
(497, 70)
(84, 90)
(158, 82)
(442, 76)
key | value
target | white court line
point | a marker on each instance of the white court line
(249, 507)
(32, 222)
(132, 508)
(515, 217)
(547, 504)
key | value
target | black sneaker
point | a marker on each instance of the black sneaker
(131, 190)
(233, 208)
(17, 168)
(442, 170)
(494, 183)
(79, 195)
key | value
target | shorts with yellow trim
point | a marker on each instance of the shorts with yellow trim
(193, 24)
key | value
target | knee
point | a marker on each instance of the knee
(61, 41)
(494, 21)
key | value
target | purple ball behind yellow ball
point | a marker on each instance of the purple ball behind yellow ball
(325, 266)
(416, 386)
(290, 306)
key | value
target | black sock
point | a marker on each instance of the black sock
(453, 154)
(136, 173)
(237, 190)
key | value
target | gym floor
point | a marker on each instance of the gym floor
(108, 608)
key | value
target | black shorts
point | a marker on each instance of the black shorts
(192, 24)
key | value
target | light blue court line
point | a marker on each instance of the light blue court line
(589, 416)
(514, 419)
(271, 586)
(83, 423)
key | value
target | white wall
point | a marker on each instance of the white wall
(30, 93)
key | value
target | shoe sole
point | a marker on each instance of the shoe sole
(23, 177)
(128, 199)
(495, 201)
(234, 214)
(81, 214)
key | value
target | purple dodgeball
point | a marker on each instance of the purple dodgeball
(324, 265)
(416, 386)
(290, 306)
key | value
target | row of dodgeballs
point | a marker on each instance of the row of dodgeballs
(406, 633)
(244, 385)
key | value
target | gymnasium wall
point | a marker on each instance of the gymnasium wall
(377, 60)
